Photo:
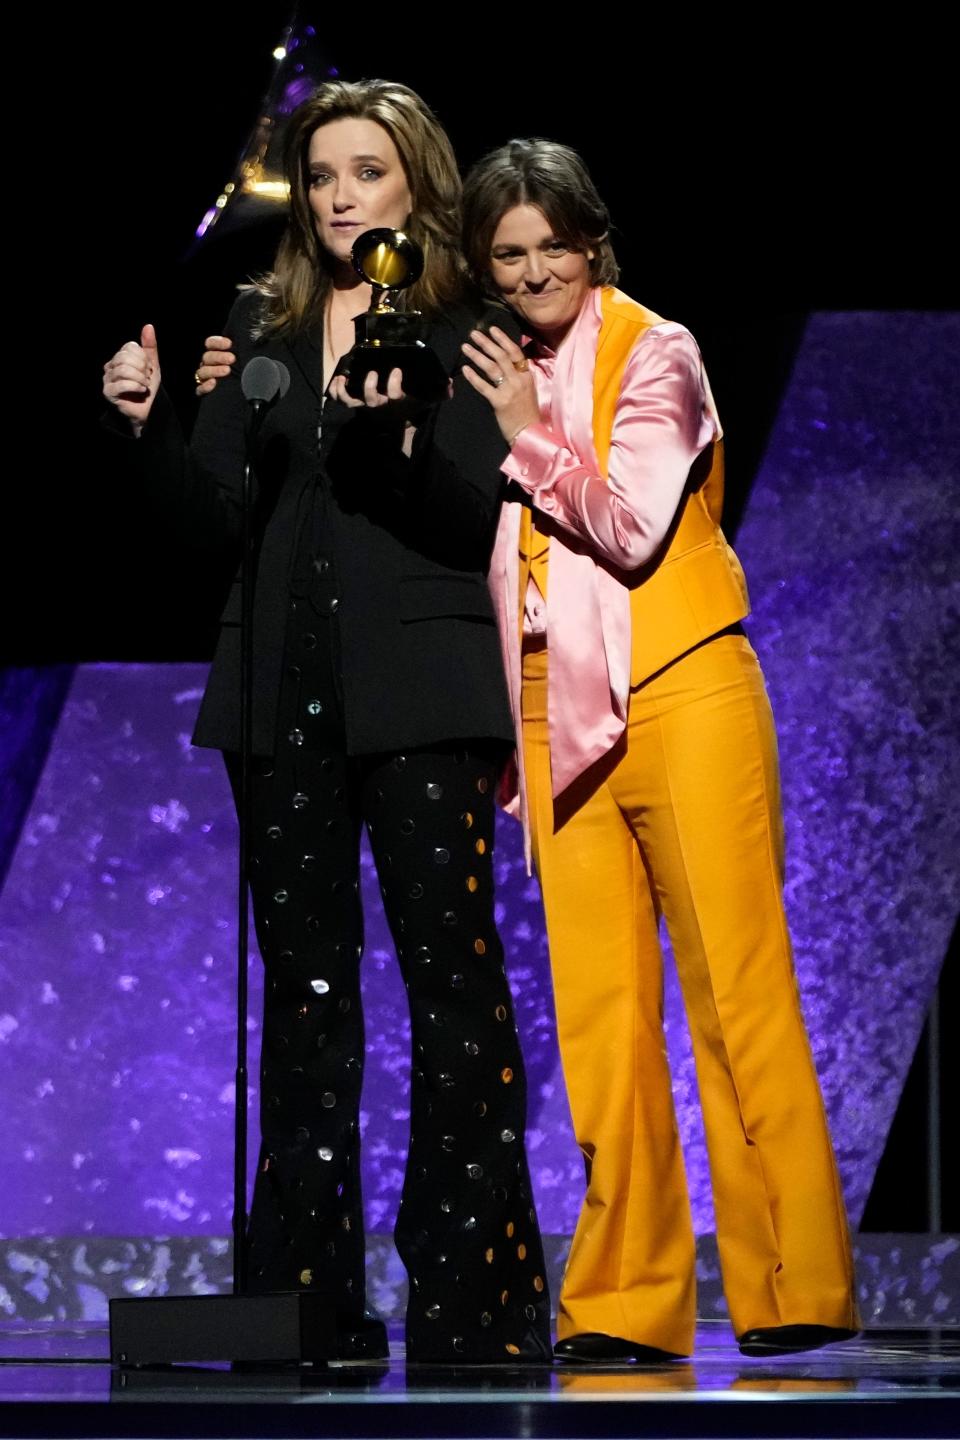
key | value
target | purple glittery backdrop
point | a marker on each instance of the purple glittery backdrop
(30, 700)
(851, 544)
(117, 931)
(116, 922)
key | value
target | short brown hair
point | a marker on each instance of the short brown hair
(554, 179)
(299, 283)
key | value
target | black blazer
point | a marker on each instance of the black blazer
(409, 541)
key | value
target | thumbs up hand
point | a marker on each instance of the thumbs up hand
(131, 377)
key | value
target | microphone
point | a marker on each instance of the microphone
(263, 381)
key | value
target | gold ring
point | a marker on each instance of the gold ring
(196, 378)
(521, 365)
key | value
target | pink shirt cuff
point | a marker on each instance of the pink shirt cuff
(532, 456)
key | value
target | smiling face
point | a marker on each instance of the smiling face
(537, 273)
(356, 182)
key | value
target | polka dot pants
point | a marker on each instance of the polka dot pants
(466, 1231)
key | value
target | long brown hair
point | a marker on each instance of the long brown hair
(550, 176)
(297, 288)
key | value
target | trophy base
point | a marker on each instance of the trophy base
(424, 378)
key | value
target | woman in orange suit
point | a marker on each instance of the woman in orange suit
(648, 784)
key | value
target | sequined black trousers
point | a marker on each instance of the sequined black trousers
(466, 1230)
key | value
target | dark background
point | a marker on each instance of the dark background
(753, 175)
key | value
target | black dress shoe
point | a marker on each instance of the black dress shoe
(595, 1349)
(789, 1339)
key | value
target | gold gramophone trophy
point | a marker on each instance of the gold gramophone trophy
(390, 339)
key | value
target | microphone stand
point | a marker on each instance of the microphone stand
(247, 563)
(283, 1327)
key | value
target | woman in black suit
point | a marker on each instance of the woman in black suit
(379, 700)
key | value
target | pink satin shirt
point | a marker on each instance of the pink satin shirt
(604, 527)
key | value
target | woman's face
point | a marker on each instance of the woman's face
(357, 183)
(537, 273)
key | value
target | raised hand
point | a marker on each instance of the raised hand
(131, 377)
(500, 371)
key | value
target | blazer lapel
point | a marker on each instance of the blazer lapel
(305, 351)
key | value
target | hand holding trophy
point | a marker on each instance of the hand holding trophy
(386, 338)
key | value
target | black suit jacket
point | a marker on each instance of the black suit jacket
(409, 539)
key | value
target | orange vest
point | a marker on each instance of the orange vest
(694, 585)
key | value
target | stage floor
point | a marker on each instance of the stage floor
(55, 1381)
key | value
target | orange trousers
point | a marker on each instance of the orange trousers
(683, 820)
